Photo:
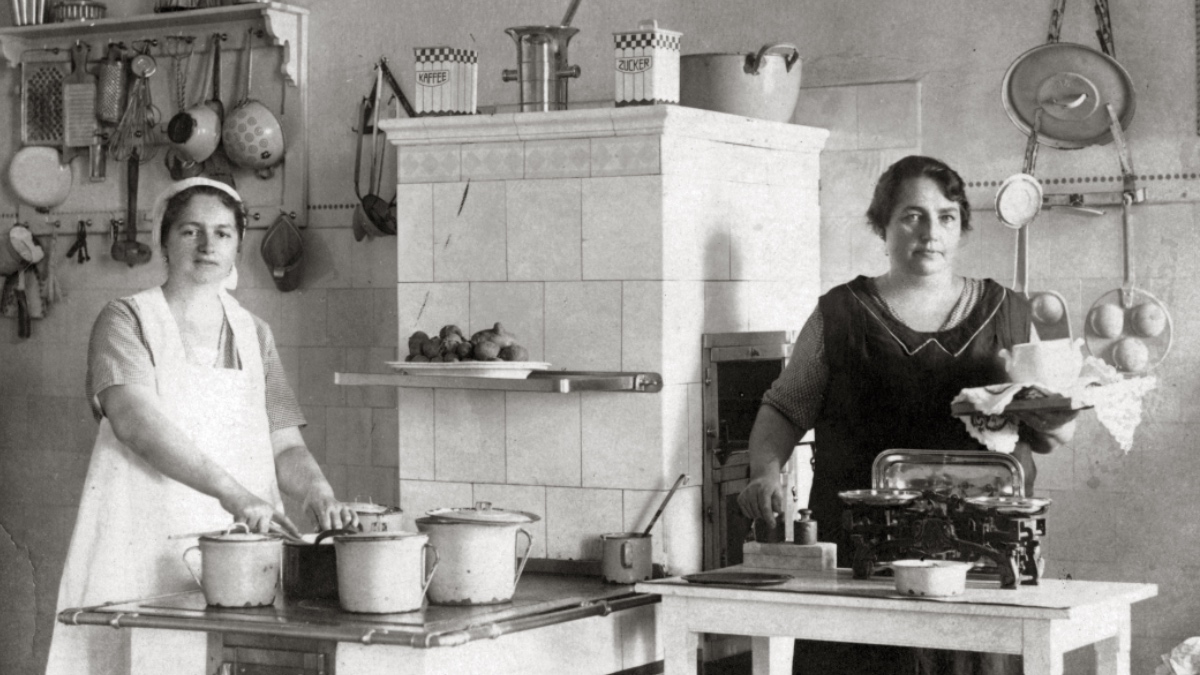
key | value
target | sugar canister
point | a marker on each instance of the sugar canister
(647, 65)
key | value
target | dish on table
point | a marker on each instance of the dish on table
(737, 578)
(512, 370)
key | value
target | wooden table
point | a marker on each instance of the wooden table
(1038, 622)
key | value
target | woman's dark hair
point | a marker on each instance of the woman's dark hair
(916, 166)
(179, 201)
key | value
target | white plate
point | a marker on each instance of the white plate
(511, 370)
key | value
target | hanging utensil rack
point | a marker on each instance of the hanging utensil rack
(279, 24)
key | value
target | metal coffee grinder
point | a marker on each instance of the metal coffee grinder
(542, 69)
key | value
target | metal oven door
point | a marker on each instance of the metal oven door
(738, 368)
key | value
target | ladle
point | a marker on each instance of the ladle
(129, 250)
(678, 481)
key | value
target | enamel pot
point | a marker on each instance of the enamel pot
(383, 572)
(626, 557)
(378, 518)
(931, 578)
(764, 85)
(240, 569)
(478, 547)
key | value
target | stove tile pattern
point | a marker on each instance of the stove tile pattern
(620, 237)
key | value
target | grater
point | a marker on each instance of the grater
(42, 102)
(110, 95)
(79, 101)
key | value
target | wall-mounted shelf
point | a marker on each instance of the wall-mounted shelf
(550, 381)
(286, 26)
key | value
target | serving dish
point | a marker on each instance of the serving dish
(879, 496)
(1010, 505)
(737, 578)
(510, 370)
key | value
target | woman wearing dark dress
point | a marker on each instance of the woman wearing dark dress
(875, 367)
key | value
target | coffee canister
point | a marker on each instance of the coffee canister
(446, 80)
(647, 65)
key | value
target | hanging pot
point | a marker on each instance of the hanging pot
(478, 547)
(194, 133)
(1072, 84)
(251, 133)
(764, 85)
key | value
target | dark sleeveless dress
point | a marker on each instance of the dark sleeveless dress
(891, 387)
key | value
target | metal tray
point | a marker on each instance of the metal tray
(737, 578)
(967, 473)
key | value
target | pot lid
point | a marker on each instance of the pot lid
(377, 536)
(482, 514)
(239, 537)
(39, 178)
(1019, 200)
(1072, 84)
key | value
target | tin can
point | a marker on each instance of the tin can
(446, 81)
(647, 65)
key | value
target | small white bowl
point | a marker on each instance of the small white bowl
(931, 578)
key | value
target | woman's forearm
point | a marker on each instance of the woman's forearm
(140, 424)
(772, 440)
(296, 469)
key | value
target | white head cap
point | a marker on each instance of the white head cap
(160, 208)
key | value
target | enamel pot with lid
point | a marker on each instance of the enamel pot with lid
(237, 569)
(478, 549)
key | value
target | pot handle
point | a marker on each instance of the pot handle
(191, 570)
(788, 51)
(437, 560)
(528, 548)
(627, 555)
(329, 533)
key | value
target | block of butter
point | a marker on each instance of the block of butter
(788, 556)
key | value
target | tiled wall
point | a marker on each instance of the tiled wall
(600, 252)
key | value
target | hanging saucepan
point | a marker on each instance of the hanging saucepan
(252, 134)
(195, 132)
(1018, 202)
(1071, 84)
(1128, 327)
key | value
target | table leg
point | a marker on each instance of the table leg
(1112, 653)
(771, 655)
(679, 644)
(1039, 654)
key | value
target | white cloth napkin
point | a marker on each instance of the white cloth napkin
(1116, 399)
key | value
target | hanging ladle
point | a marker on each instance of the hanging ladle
(678, 481)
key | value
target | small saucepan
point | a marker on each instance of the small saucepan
(931, 578)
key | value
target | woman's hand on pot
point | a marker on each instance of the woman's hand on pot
(258, 514)
(762, 499)
(330, 513)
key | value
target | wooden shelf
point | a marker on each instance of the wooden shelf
(287, 27)
(550, 381)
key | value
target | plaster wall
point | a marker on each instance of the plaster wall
(886, 77)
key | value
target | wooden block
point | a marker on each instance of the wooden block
(785, 556)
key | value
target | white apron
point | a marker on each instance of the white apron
(119, 550)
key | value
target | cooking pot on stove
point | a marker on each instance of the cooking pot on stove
(310, 567)
(478, 549)
(383, 572)
(377, 517)
(236, 569)
(763, 84)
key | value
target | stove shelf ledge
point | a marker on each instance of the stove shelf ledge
(549, 381)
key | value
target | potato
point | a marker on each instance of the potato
(1108, 320)
(450, 329)
(1148, 319)
(432, 347)
(1131, 355)
(487, 351)
(514, 352)
(464, 350)
(1047, 309)
(415, 341)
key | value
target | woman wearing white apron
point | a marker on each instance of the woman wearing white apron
(197, 428)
